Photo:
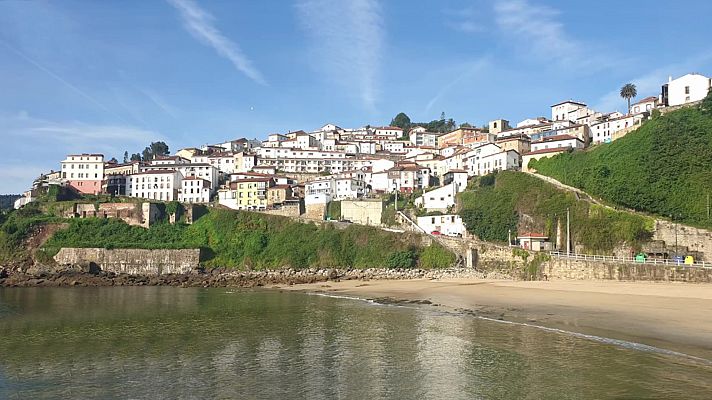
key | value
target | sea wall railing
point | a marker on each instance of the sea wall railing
(630, 260)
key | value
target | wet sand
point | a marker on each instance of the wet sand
(672, 316)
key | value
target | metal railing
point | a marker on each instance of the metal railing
(630, 260)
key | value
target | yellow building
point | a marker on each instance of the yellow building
(246, 194)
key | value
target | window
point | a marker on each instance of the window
(687, 90)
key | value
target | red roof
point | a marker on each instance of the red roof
(646, 100)
(532, 235)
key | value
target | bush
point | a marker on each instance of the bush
(435, 256)
(401, 259)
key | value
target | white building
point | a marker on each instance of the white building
(449, 224)
(395, 146)
(244, 162)
(337, 187)
(439, 199)
(422, 138)
(558, 141)
(504, 160)
(194, 190)
(532, 121)
(392, 131)
(564, 110)
(605, 131)
(223, 162)
(473, 163)
(84, 172)
(648, 104)
(162, 185)
(198, 170)
(685, 89)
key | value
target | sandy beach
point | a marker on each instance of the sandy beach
(672, 316)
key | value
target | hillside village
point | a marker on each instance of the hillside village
(300, 173)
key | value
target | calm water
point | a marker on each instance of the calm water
(172, 343)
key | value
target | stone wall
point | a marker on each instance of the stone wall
(567, 269)
(694, 239)
(315, 211)
(522, 264)
(133, 261)
(139, 214)
(365, 212)
(287, 210)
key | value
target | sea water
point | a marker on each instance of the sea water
(178, 343)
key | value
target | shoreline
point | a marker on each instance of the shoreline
(668, 316)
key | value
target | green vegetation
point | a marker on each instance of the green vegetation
(231, 239)
(333, 211)
(629, 91)
(437, 125)
(662, 168)
(519, 202)
(15, 227)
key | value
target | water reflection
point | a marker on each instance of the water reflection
(209, 343)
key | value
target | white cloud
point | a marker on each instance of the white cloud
(199, 23)
(538, 32)
(38, 145)
(348, 43)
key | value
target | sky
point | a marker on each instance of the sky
(108, 77)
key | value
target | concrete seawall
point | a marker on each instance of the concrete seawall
(568, 269)
(132, 261)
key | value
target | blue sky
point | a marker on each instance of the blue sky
(84, 76)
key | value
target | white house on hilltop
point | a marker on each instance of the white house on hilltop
(685, 89)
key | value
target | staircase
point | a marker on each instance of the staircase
(455, 245)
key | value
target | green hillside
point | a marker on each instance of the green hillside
(231, 239)
(663, 168)
(495, 204)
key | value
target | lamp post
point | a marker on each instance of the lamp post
(568, 231)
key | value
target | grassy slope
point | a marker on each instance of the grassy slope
(234, 239)
(492, 209)
(663, 168)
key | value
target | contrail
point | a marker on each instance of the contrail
(62, 81)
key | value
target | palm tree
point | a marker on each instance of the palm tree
(628, 91)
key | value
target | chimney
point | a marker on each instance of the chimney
(669, 78)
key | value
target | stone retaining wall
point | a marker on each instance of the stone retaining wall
(133, 261)
(568, 269)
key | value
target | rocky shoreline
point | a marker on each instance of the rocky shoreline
(222, 277)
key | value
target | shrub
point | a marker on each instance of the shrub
(401, 259)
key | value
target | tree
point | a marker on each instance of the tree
(442, 116)
(465, 125)
(402, 121)
(113, 160)
(629, 91)
(156, 149)
(126, 157)
(135, 157)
